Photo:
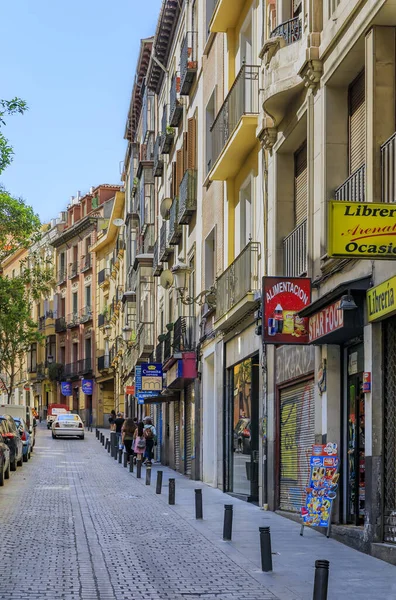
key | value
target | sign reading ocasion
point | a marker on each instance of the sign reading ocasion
(362, 230)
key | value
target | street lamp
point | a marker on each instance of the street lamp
(181, 273)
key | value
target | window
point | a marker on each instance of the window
(210, 5)
(300, 185)
(333, 4)
(88, 296)
(62, 357)
(87, 244)
(209, 119)
(75, 302)
(32, 358)
(191, 285)
(62, 307)
(210, 259)
(74, 352)
(50, 348)
(88, 348)
(62, 262)
(243, 217)
(357, 123)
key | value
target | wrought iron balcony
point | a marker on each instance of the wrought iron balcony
(167, 133)
(165, 249)
(188, 62)
(239, 279)
(73, 270)
(168, 346)
(388, 170)
(86, 314)
(85, 366)
(71, 370)
(242, 99)
(103, 276)
(354, 188)
(184, 334)
(187, 197)
(290, 30)
(295, 251)
(157, 267)
(60, 324)
(72, 320)
(175, 107)
(103, 362)
(158, 167)
(86, 263)
(175, 230)
(61, 276)
(159, 353)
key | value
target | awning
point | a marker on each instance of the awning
(356, 285)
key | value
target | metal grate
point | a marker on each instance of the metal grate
(353, 188)
(389, 430)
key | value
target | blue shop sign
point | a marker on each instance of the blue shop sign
(66, 388)
(151, 370)
(87, 386)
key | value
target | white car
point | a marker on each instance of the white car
(68, 426)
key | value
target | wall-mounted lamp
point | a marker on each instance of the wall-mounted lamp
(347, 302)
(181, 273)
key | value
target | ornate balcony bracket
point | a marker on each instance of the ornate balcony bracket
(311, 74)
(268, 134)
(270, 48)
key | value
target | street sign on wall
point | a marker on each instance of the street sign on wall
(283, 298)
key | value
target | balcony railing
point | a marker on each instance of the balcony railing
(165, 249)
(175, 230)
(290, 30)
(86, 314)
(61, 276)
(187, 197)
(188, 62)
(175, 107)
(158, 166)
(60, 324)
(84, 366)
(148, 114)
(103, 362)
(159, 353)
(353, 189)
(86, 263)
(71, 370)
(72, 319)
(157, 267)
(41, 323)
(73, 270)
(388, 170)
(242, 99)
(184, 334)
(240, 278)
(148, 239)
(295, 251)
(103, 275)
(168, 346)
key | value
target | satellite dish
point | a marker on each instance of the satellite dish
(166, 279)
(118, 222)
(165, 208)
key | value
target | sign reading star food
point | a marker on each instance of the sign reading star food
(362, 230)
(283, 298)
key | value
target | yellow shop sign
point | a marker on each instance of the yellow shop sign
(362, 230)
(381, 300)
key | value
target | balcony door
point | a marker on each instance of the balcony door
(243, 217)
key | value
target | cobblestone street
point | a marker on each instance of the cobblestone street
(90, 530)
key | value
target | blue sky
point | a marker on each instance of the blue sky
(73, 63)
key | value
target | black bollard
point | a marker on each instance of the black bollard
(138, 469)
(108, 445)
(158, 489)
(321, 579)
(265, 548)
(148, 476)
(172, 491)
(97, 433)
(114, 444)
(120, 456)
(131, 464)
(125, 460)
(198, 504)
(227, 527)
(103, 439)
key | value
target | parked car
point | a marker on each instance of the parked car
(24, 412)
(26, 437)
(67, 426)
(13, 440)
(4, 461)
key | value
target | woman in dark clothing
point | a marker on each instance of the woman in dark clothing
(112, 418)
(127, 433)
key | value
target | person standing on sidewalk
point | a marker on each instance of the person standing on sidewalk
(112, 418)
(118, 426)
(139, 446)
(127, 433)
(150, 435)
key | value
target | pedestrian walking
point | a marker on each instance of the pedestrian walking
(119, 421)
(139, 446)
(112, 418)
(151, 439)
(127, 435)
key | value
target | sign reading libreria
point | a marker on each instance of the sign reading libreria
(362, 230)
(381, 300)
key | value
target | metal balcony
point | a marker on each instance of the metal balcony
(167, 133)
(72, 320)
(158, 166)
(61, 276)
(103, 362)
(73, 270)
(157, 267)
(159, 353)
(168, 346)
(86, 263)
(184, 334)
(86, 314)
(71, 370)
(188, 62)
(238, 280)
(290, 31)
(85, 366)
(175, 230)
(353, 189)
(165, 249)
(60, 325)
(295, 251)
(187, 197)
(388, 170)
(175, 107)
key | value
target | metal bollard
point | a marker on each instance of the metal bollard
(139, 469)
(120, 456)
(103, 439)
(265, 548)
(321, 579)
(125, 460)
(114, 444)
(97, 433)
(158, 488)
(172, 491)
(227, 527)
(148, 476)
(198, 504)
(108, 445)
(131, 464)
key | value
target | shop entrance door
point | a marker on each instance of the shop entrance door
(355, 430)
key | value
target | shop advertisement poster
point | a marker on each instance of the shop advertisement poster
(66, 388)
(323, 485)
(87, 386)
(283, 298)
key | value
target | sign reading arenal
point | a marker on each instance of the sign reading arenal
(361, 230)
(283, 298)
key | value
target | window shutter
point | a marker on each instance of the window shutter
(191, 143)
(179, 170)
(300, 184)
(173, 186)
(357, 123)
(185, 152)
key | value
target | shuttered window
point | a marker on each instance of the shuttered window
(357, 124)
(185, 152)
(173, 182)
(179, 170)
(177, 436)
(192, 143)
(300, 184)
(297, 435)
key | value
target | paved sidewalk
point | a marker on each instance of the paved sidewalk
(352, 573)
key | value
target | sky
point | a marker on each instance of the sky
(73, 63)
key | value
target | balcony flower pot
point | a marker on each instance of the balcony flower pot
(169, 326)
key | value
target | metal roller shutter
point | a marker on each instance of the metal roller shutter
(189, 449)
(297, 435)
(300, 184)
(177, 435)
(357, 123)
(389, 430)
